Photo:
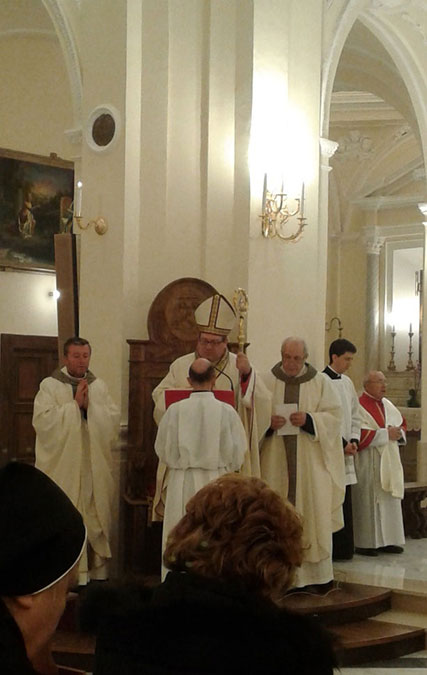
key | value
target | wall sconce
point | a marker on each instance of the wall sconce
(328, 325)
(100, 224)
(54, 294)
(276, 213)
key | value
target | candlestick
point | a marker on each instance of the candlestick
(392, 365)
(264, 193)
(410, 364)
(302, 202)
(78, 199)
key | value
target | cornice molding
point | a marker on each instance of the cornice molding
(404, 231)
(387, 202)
(361, 106)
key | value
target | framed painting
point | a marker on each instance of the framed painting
(36, 202)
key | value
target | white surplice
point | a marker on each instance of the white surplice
(251, 405)
(199, 439)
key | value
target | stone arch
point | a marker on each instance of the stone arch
(68, 45)
(414, 77)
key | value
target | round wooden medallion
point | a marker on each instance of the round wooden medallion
(103, 129)
(171, 315)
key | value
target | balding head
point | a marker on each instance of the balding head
(375, 383)
(201, 374)
(294, 353)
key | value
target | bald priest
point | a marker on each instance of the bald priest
(215, 318)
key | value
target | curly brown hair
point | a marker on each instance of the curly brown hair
(238, 529)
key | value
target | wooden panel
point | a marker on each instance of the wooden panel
(28, 378)
(23, 439)
(25, 361)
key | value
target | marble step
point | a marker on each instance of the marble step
(345, 602)
(373, 640)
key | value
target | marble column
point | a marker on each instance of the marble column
(422, 444)
(374, 244)
(327, 150)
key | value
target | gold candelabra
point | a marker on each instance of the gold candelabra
(100, 224)
(277, 212)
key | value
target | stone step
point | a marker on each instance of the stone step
(343, 603)
(369, 624)
(373, 640)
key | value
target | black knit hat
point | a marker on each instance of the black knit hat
(42, 534)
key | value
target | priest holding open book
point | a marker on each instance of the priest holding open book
(236, 382)
(199, 439)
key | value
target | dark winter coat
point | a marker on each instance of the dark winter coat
(189, 625)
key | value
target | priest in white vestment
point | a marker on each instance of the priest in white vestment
(76, 424)
(306, 465)
(199, 439)
(377, 497)
(215, 318)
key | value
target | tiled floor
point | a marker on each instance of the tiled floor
(406, 571)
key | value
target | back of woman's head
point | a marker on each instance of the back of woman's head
(238, 529)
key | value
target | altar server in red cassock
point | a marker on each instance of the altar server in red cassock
(378, 494)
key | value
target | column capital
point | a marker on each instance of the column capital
(328, 148)
(423, 208)
(372, 240)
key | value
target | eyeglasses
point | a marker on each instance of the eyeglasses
(297, 359)
(213, 343)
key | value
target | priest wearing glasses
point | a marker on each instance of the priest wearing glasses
(215, 318)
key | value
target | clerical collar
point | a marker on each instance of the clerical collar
(378, 400)
(332, 373)
(63, 376)
(306, 374)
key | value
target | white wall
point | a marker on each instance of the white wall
(26, 307)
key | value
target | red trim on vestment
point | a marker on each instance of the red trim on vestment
(366, 438)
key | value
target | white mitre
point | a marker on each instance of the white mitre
(215, 315)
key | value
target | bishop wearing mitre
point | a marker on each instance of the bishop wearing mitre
(215, 318)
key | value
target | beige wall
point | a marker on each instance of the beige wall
(34, 112)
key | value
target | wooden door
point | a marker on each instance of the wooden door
(25, 361)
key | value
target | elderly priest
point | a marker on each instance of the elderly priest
(378, 494)
(301, 455)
